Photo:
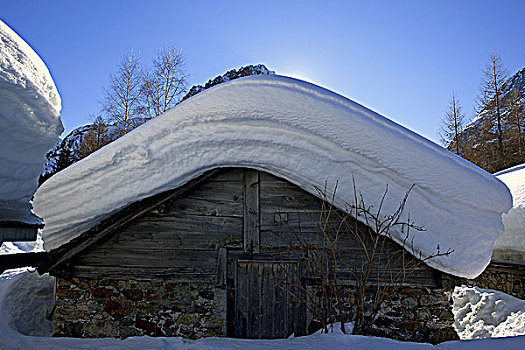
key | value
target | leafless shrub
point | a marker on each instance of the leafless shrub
(345, 253)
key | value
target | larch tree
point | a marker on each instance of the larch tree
(165, 84)
(96, 138)
(451, 126)
(489, 99)
(123, 95)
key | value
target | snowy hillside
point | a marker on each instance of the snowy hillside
(30, 124)
(480, 136)
(302, 133)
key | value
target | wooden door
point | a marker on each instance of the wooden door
(268, 299)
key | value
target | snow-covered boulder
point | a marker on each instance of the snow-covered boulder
(511, 245)
(30, 124)
(304, 134)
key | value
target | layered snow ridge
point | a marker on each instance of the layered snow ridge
(300, 132)
(29, 111)
(512, 242)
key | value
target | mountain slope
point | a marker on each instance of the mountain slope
(479, 139)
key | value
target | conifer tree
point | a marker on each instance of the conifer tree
(489, 100)
(451, 126)
(96, 138)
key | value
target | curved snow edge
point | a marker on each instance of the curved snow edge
(300, 132)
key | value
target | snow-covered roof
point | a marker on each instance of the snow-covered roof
(29, 111)
(512, 242)
(302, 133)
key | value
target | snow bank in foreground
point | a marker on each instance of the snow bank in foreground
(300, 132)
(481, 313)
(25, 302)
(514, 221)
(30, 124)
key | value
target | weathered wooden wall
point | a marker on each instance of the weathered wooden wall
(178, 241)
(200, 235)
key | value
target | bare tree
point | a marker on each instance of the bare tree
(452, 125)
(166, 83)
(489, 99)
(122, 96)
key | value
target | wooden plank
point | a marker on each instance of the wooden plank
(228, 175)
(133, 273)
(210, 198)
(241, 301)
(116, 221)
(251, 211)
(222, 265)
(267, 301)
(190, 232)
(191, 260)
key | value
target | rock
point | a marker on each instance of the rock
(118, 308)
(188, 319)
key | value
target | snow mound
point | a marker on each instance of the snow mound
(30, 124)
(302, 133)
(481, 313)
(29, 304)
(513, 238)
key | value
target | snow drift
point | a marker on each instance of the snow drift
(302, 133)
(29, 112)
(483, 313)
(514, 221)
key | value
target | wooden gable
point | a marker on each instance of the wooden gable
(199, 233)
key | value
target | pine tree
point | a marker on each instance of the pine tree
(64, 159)
(451, 126)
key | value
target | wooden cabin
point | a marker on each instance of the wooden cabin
(219, 257)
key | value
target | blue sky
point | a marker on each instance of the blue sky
(402, 59)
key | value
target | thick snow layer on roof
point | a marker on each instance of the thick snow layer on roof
(514, 221)
(29, 111)
(300, 132)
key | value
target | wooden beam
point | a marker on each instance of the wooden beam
(116, 221)
(222, 265)
(251, 211)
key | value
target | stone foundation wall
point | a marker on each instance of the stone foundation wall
(506, 278)
(110, 308)
(413, 314)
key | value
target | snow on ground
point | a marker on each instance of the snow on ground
(514, 221)
(30, 124)
(26, 301)
(300, 132)
(481, 313)
(23, 247)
